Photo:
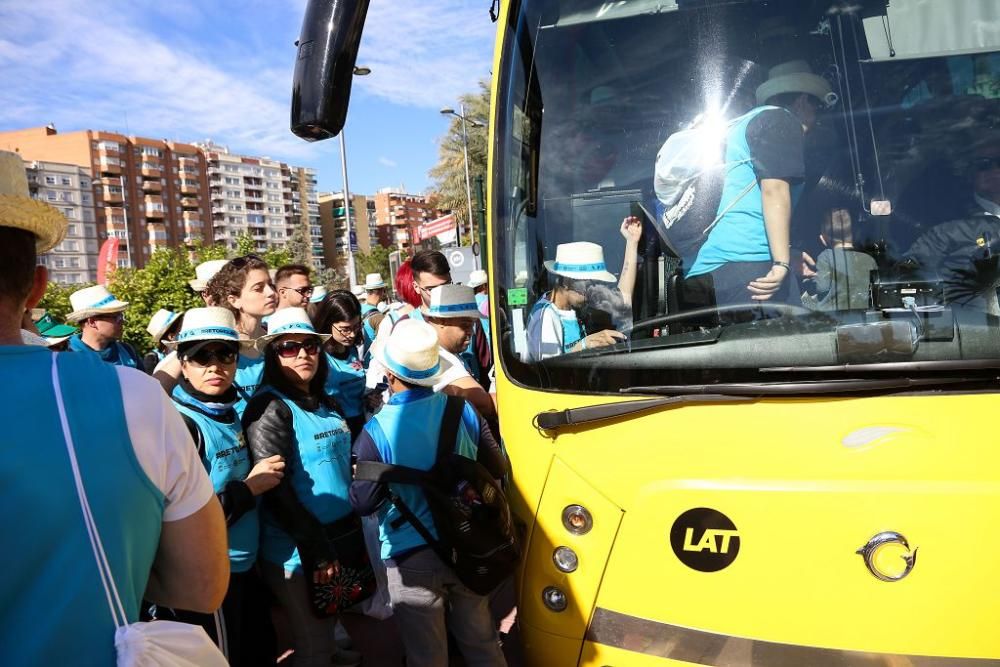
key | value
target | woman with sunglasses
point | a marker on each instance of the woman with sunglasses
(340, 314)
(208, 347)
(292, 416)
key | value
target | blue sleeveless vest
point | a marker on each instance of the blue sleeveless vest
(572, 330)
(346, 382)
(115, 354)
(249, 372)
(405, 432)
(55, 611)
(319, 470)
(227, 459)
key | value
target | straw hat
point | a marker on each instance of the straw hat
(581, 260)
(412, 354)
(477, 278)
(319, 293)
(373, 281)
(20, 211)
(207, 325)
(795, 76)
(288, 321)
(204, 272)
(452, 301)
(54, 332)
(160, 323)
(90, 301)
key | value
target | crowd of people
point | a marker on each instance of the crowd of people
(217, 470)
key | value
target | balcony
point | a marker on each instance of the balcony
(191, 202)
(109, 151)
(190, 189)
(112, 197)
(151, 172)
(154, 214)
(152, 186)
(109, 168)
(218, 210)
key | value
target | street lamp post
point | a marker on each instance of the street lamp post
(351, 273)
(448, 111)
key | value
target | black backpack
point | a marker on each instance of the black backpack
(476, 535)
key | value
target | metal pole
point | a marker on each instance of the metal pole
(468, 183)
(352, 277)
(481, 206)
(125, 203)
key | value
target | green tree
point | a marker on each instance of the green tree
(56, 299)
(299, 245)
(374, 261)
(245, 245)
(449, 173)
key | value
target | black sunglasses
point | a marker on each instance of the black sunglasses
(290, 348)
(986, 163)
(304, 292)
(205, 355)
(240, 262)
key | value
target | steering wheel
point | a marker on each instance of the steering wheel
(772, 309)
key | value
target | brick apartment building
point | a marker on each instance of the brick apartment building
(398, 214)
(334, 225)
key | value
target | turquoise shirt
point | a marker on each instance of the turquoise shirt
(405, 432)
(226, 459)
(54, 610)
(345, 381)
(319, 470)
(115, 354)
(249, 373)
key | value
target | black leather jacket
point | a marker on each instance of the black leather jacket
(268, 425)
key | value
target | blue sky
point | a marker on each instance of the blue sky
(188, 70)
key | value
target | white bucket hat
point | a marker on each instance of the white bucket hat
(319, 293)
(412, 354)
(795, 76)
(477, 278)
(373, 281)
(581, 260)
(288, 321)
(160, 323)
(207, 324)
(358, 291)
(20, 211)
(452, 301)
(205, 272)
(90, 301)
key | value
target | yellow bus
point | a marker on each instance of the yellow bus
(805, 479)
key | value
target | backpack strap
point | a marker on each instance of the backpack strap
(450, 420)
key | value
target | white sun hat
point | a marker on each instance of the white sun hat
(160, 323)
(412, 354)
(477, 278)
(207, 324)
(795, 76)
(581, 260)
(319, 293)
(358, 291)
(288, 321)
(373, 281)
(90, 301)
(205, 272)
(451, 301)
(20, 211)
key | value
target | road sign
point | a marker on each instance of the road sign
(461, 263)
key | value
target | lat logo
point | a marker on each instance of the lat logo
(705, 539)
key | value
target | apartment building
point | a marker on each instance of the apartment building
(334, 225)
(398, 214)
(150, 193)
(68, 187)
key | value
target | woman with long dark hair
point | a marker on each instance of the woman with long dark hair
(340, 315)
(307, 518)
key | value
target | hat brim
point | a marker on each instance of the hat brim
(475, 283)
(444, 367)
(112, 308)
(44, 221)
(369, 288)
(198, 285)
(261, 343)
(470, 314)
(56, 340)
(159, 333)
(59, 331)
(31, 338)
(244, 344)
(603, 276)
(799, 82)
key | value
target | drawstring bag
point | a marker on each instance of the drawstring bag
(136, 644)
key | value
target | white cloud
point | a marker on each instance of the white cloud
(386, 162)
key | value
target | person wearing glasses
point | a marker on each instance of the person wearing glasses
(208, 348)
(292, 416)
(243, 286)
(340, 314)
(294, 288)
(964, 252)
(101, 317)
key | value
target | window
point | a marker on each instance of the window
(69, 213)
(72, 230)
(74, 262)
(66, 180)
(85, 198)
(84, 182)
(235, 207)
(66, 196)
(88, 215)
(50, 180)
(58, 262)
(51, 196)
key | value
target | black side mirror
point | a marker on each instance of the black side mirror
(328, 49)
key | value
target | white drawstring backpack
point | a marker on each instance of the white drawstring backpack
(154, 644)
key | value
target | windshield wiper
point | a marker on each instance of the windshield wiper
(893, 366)
(552, 420)
(852, 386)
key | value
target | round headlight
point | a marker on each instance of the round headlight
(554, 599)
(577, 520)
(565, 559)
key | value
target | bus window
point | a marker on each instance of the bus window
(845, 173)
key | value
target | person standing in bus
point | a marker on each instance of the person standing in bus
(747, 256)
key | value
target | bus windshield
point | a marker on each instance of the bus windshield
(706, 191)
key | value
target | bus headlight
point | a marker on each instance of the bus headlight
(554, 599)
(565, 559)
(577, 520)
